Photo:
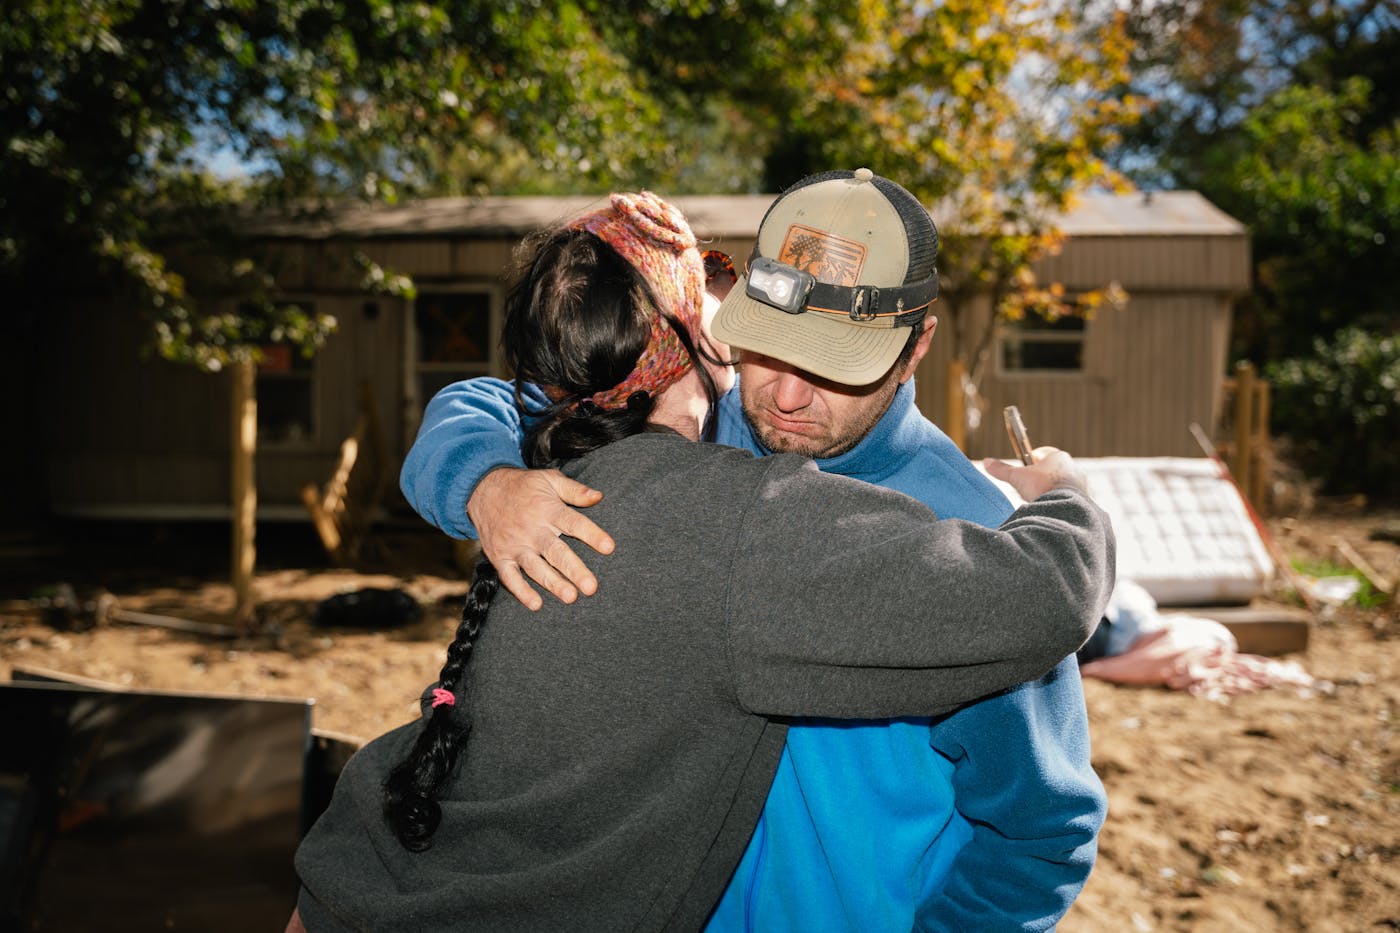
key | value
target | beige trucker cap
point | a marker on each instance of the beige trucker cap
(850, 256)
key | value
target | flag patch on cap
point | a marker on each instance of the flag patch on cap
(832, 259)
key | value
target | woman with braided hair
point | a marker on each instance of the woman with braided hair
(600, 765)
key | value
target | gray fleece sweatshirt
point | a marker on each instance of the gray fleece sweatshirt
(622, 747)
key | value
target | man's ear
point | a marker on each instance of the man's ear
(921, 345)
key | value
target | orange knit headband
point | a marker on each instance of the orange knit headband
(655, 239)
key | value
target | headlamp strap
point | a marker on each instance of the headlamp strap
(868, 302)
(905, 303)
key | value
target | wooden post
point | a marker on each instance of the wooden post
(244, 490)
(956, 426)
(1263, 451)
(1244, 427)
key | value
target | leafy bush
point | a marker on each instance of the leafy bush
(1340, 408)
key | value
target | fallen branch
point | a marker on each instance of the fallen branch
(213, 629)
(1379, 583)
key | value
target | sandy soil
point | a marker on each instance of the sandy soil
(1273, 811)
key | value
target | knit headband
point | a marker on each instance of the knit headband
(655, 239)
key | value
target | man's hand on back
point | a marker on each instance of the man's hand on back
(520, 516)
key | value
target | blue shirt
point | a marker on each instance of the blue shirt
(984, 819)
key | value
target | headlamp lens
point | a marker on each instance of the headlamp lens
(783, 287)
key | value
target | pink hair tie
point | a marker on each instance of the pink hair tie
(443, 697)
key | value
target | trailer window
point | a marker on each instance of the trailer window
(285, 392)
(1035, 344)
(455, 335)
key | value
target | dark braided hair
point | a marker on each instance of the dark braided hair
(577, 320)
(411, 789)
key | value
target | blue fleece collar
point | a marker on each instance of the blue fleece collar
(893, 441)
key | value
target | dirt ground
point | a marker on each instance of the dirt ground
(1273, 811)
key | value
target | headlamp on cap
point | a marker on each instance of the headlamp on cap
(781, 286)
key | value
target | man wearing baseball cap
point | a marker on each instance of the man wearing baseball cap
(841, 275)
(985, 819)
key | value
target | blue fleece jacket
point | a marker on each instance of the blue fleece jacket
(985, 819)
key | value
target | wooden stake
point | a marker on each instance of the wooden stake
(956, 426)
(1263, 455)
(1280, 559)
(1244, 428)
(244, 492)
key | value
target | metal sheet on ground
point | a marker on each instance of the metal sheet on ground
(128, 810)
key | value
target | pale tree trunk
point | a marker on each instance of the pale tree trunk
(972, 347)
(957, 404)
(244, 490)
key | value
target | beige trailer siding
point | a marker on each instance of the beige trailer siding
(1218, 263)
(122, 431)
(132, 436)
(1151, 367)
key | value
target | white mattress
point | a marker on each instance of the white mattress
(1183, 531)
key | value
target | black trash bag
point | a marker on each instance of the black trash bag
(368, 608)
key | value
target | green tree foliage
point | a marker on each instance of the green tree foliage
(1340, 407)
(1325, 211)
(996, 111)
(108, 104)
(1284, 113)
(999, 112)
(1192, 65)
(1203, 65)
(108, 107)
